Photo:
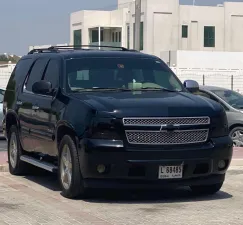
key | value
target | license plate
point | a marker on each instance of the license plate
(170, 172)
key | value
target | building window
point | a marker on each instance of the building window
(184, 31)
(95, 35)
(128, 37)
(141, 36)
(77, 37)
(209, 36)
(119, 37)
(113, 37)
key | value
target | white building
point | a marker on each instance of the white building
(165, 26)
(5, 73)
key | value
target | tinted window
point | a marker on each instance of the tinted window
(231, 97)
(36, 72)
(207, 95)
(52, 73)
(2, 91)
(19, 73)
(128, 73)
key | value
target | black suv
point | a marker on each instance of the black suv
(113, 118)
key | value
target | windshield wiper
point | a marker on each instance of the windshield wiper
(99, 88)
(156, 89)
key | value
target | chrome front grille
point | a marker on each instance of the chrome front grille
(167, 138)
(166, 120)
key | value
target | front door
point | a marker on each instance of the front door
(45, 114)
(27, 100)
(24, 104)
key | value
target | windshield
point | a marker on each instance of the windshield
(120, 74)
(233, 98)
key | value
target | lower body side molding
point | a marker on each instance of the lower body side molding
(38, 163)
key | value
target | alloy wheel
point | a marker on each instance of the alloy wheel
(237, 138)
(13, 150)
(66, 167)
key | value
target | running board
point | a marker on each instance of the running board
(43, 165)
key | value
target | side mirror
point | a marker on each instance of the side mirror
(42, 87)
(191, 85)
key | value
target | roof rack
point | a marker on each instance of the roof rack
(55, 49)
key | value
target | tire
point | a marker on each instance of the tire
(16, 166)
(71, 182)
(207, 189)
(233, 134)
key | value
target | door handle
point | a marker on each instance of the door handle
(35, 107)
(19, 103)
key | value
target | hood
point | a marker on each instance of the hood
(150, 103)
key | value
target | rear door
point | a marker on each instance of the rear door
(26, 101)
(45, 113)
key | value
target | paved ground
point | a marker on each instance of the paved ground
(37, 200)
(28, 200)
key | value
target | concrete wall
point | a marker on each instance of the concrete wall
(216, 68)
(203, 59)
(195, 19)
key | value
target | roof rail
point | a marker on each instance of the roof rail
(43, 50)
(55, 49)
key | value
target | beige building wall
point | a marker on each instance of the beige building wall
(162, 25)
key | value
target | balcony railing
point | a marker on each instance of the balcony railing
(114, 44)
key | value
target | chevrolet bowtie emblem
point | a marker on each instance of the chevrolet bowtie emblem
(169, 127)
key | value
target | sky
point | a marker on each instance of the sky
(31, 22)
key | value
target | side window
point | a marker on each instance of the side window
(19, 73)
(36, 73)
(52, 73)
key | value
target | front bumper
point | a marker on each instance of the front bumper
(139, 167)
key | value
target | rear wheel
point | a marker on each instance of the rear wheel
(16, 166)
(69, 169)
(206, 189)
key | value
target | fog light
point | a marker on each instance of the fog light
(221, 164)
(101, 168)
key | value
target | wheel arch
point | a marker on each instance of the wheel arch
(235, 125)
(63, 129)
(11, 119)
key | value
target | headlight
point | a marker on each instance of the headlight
(219, 125)
(104, 128)
(105, 134)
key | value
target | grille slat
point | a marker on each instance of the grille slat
(167, 138)
(168, 120)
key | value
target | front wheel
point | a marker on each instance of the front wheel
(16, 166)
(206, 189)
(69, 169)
(236, 135)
